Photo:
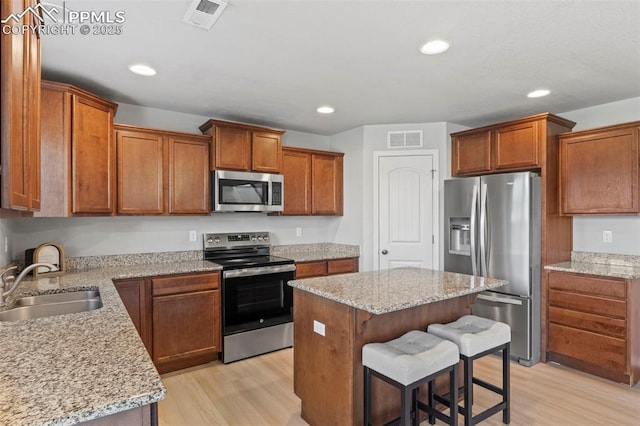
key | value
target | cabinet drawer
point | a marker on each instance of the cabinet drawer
(587, 284)
(599, 324)
(590, 304)
(311, 269)
(603, 351)
(341, 266)
(185, 284)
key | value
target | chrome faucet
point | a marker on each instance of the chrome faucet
(17, 280)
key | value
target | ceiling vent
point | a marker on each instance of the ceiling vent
(405, 139)
(204, 13)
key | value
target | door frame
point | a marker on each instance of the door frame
(435, 183)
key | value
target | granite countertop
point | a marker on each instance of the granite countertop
(381, 292)
(600, 264)
(600, 269)
(316, 252)
(67, 369)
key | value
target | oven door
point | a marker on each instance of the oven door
(254, 298)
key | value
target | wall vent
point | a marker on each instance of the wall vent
(405, 139)
(204, 13)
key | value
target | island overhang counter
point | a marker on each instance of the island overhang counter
(335, 316)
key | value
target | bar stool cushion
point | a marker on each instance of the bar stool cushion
(473, 334)
(411, 357)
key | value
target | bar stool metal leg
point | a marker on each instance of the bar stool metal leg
(414, 408)
(468, 391)
(506, 388)
(367, 396)
(431, 400)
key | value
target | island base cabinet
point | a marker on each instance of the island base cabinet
(328, 368)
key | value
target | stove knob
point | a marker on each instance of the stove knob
(259, 237)
(216, 240)
(209, 240)
(253, 238)
(266, 238)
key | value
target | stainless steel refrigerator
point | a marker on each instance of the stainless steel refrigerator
(492, 228)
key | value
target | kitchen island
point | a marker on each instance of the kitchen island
(84, 367)
(335, 316)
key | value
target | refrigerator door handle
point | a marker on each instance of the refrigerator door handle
(472, 230)
(484, 267)
(499, 299)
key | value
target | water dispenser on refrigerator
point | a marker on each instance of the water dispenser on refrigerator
(460, 236)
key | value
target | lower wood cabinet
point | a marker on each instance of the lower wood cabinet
(136, 297)
(186, 320)
(178, 317)
(594, 325)
(326, 267)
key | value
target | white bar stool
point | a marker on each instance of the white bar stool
(406, 363)
(477, 337)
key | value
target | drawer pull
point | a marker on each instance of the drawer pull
(500, 299)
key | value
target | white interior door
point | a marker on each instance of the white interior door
(407, 207)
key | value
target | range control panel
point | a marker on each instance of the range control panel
(212, 241)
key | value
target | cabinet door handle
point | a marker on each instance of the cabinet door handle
(384, 252)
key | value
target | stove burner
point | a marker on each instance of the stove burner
(236, 251)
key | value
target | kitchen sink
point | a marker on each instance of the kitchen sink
(70, 296)
(48, 305)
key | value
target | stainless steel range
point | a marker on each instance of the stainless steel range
(257, 303)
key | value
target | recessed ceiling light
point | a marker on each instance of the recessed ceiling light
(434, 47)
(538, 93)
(142, 69)
(326, 110)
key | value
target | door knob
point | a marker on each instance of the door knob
(384, 252)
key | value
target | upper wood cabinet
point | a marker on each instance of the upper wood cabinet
(20, 110)
(162, 172)
(504, 147)
(296, 169)
(471, 153)
(326, 184)
(141, 158)
(599, 170)
(244, 147)
(313, 182)
(78, 152)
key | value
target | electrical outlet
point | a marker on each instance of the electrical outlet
(318, 327)
(607, 236)
(193, 236)
(298, 232)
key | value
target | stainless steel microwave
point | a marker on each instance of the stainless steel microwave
(246, 192)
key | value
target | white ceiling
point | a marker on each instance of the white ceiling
(274, 62)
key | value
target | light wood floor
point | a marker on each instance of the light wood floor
(259, 391)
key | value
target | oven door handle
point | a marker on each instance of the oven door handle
(261, 270)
